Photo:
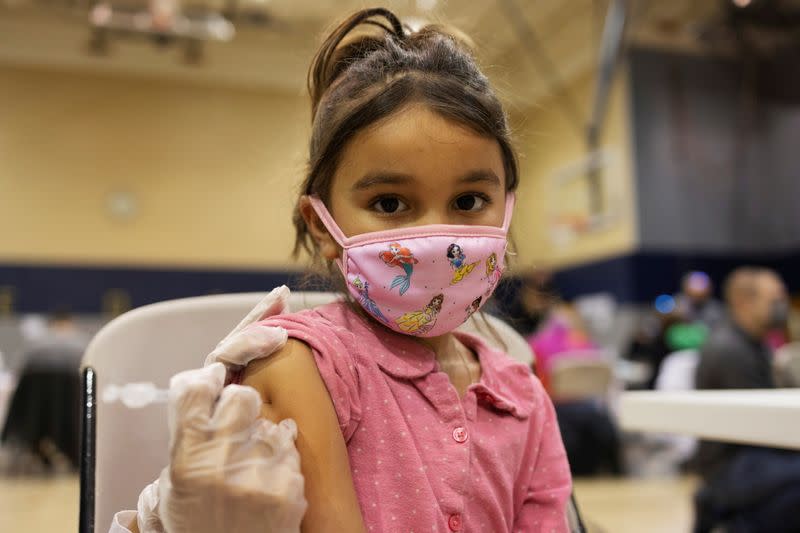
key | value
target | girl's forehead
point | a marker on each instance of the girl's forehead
(417, 144)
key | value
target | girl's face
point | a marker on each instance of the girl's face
(413, 168)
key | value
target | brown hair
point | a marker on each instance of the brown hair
(356, 80)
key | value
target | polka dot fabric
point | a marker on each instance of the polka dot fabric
(424, 459)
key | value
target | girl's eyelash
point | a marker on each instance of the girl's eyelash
(485, 197)
(380, 197)
(377, 199)
(374, 200)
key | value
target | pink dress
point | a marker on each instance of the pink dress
(424, 459)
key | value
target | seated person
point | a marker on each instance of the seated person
(746, 488)
(589, 434)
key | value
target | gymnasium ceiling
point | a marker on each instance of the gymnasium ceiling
(275, 39)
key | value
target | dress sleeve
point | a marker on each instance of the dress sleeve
(545, 478)
(333, 350)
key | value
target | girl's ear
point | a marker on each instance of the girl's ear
(327, 246)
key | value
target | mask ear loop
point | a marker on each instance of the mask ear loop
(333, 228)
(511, 200)
(327, 220)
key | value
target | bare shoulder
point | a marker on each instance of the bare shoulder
(291, 387)
(288, 380)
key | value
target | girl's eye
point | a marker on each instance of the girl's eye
(389, 204)
(470, 202)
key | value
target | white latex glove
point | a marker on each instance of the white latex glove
(229, 470)
(247, 342)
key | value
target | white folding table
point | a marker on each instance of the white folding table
(762, 417)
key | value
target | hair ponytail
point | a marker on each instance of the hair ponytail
(333, 57)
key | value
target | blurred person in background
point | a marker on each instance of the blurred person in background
(561, 334)
(54, 338)
(43, 420)
(696, 303)
(590, 435)
(651, 342)
(682, 322)
(735, 355)
(746, 488)
(61, 344)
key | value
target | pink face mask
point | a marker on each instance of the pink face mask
(424, 280)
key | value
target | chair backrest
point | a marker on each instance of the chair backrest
(579, 378)
(786, 365)
(677, 370)
(152, 343)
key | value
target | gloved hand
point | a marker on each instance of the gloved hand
(250, 341)
(229, 470)
(247, 342)
(147, 518)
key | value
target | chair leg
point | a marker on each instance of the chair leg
(87, 459)
(574, 516)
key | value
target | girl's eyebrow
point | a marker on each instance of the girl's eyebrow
(397, 178)
(483, 174)
(381, 178)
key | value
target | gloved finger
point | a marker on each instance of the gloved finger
(277, 435)
(289, 426)
(147, 510)
(236, 410)
(274, 303)
(192, 395)
(253, 342)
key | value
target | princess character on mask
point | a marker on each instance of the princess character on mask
(458, 261)
(493, 273)
(366, 302)
(420, 322)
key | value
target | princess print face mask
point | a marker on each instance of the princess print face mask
(423, 280)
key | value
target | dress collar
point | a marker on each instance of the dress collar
(505, 384)
(402, 356)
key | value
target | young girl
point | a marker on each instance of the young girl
(404, 423)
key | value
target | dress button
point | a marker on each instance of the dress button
(460, 435)
(454, 522)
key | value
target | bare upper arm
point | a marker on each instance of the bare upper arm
(291, 387)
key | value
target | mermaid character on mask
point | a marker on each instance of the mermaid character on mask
(402, 257)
